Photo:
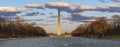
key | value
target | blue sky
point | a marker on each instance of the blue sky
(49, 21)
(21, 3)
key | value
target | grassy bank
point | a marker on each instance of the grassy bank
(106, 37)
(18, 37)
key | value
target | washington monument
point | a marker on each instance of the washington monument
(59, 25)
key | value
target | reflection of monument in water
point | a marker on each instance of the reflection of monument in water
(59, 25)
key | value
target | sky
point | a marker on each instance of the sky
(44, 12)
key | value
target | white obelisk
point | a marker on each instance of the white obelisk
(59, 25)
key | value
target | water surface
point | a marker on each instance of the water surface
(60, 42)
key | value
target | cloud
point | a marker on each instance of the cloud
(35, 6)
(57, 5)
(80, 8)
(42, 13)
(79, 17)
(102, 8)
(49, 21)
(68, 7)
(76, 9)
(63, 6)
(72, 8)
(10, 11)
(50, 13)
(31, 14)
(66, 17)
(53, 16)
(102, 0)
(63, 17)
(116, 0)
(109, 0)
(109, 8)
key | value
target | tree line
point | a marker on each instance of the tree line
(101, 27)
(16, 28)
